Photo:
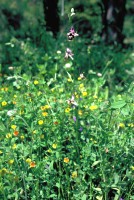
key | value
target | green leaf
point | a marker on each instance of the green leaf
(118, 104)
(96, 163)
(58, 185)
(84, 197)
(98, 189)
(116, 178)
(99, 197)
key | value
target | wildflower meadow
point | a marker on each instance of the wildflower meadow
(67, 126)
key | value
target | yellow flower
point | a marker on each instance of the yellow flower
(14, 146)
(34, 132)
(13, 127)
(1, 152)
(45, 114)
(121, 125)
(79, 78)
(39, 93)
(84, 93)
(8, 135)
(15, 96)
(4, 103)
(95, 97)
(10, 162)
(74, 174)
(61, 90)
(36, 82)
(69, 80)
(93, 107)
(49, 151)
(67, 110)
(45, 107)
(80, 112)
(131, 125)
(3, 171)
(6, 89)
(81, 85)
(22, 137)
(66, 160)
(132, 167)
(28, 160)
(40, 122)
(54, 146)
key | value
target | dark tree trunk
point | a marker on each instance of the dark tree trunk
(113, 19)
(51, 15)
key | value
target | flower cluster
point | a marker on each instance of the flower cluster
(71, 35)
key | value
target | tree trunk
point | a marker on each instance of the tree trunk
(113, 19)
(51, 16)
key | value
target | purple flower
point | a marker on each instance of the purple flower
(121, 199)
(74, 118)
(72, 34)
(80, 129)
(68, 53)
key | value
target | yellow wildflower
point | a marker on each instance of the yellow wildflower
(45, 114)
(132, 167)
(8, 135)
(10, 162)
(81, 85)
(95, 97)
(74, 174)
(84, 93)
(45, 107)
(61, 90)
(40, 122)
(22, 137)
(93, 107)
(6, 89)
(4, 103)
(15, 96)
(121, 125)
(14, 146)
(39, 93)
(36, 82)
(80, 112)
(66, 160)
(79, 78)
(67, 110)
(34, 131)
(69, 80)
(13, 127)
(54, 146)
(3, 171)
(131, 125)
(49, 151)
(28, 160)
